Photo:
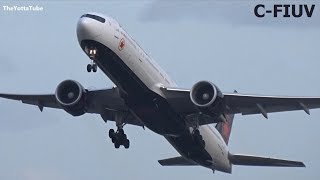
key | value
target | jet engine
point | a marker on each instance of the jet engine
(71, 96)
(208, 98)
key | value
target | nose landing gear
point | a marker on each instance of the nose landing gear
(92, 67)
(92, 53)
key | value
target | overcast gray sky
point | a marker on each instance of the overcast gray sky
(222, 42)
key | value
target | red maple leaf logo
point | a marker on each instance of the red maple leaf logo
(121, 44)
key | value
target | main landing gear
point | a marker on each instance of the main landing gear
(198, 138)
(193, 121)
(119, 138)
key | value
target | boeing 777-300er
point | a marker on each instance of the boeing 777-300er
(145, 96)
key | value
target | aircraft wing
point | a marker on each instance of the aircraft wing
(44, 100)
(98, 102)
(244, 104)
(255, 104)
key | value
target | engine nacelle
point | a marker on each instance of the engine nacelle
(71, 96)
(208, 98)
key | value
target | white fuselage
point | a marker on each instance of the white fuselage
(111, 34)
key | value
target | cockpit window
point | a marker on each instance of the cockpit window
(98, 18)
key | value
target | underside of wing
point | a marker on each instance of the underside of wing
(179, 100)
(45, 100)
(244, 104)
(95, 101)
(255, 104)
(105, 102)
(247, 160)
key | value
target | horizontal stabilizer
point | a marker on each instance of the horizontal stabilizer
(177, 161)
(262, 161)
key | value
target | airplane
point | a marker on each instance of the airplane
(197, 122)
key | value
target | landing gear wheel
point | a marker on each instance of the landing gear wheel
(116, 145)
(111, 134)
(119, 138)
(94, 68)
(89, 67)
(126, 144)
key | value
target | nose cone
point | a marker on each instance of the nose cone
(88, 29)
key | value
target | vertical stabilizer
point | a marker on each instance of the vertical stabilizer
(225, 127)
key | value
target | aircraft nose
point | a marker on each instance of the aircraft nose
(87, 29)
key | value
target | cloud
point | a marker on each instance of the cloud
(238, 13)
